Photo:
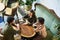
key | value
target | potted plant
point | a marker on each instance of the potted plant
(57, 37)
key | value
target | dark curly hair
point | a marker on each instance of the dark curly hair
(41, 20)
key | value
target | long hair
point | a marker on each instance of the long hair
(34, 19)
(34, 16)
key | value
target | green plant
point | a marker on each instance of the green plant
(29, 2)
(58, 33)
(58, 27)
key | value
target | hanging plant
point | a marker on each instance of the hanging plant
(29, 2)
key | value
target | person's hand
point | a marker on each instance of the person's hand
(36, 30)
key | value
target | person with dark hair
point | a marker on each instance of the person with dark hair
(8, 31)
(10, 19)
(31, 17)
(41, 20)
(40, 29)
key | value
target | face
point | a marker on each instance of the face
(38, 23)
(13, 22)
(30, 14)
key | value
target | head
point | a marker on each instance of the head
(10, 20)
(32, 13)
(41, 20)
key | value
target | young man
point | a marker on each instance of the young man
(8, 31)
(40, 29)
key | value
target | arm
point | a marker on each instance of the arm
(44, 32)
(4, 29)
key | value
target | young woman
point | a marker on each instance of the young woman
(31, 17)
